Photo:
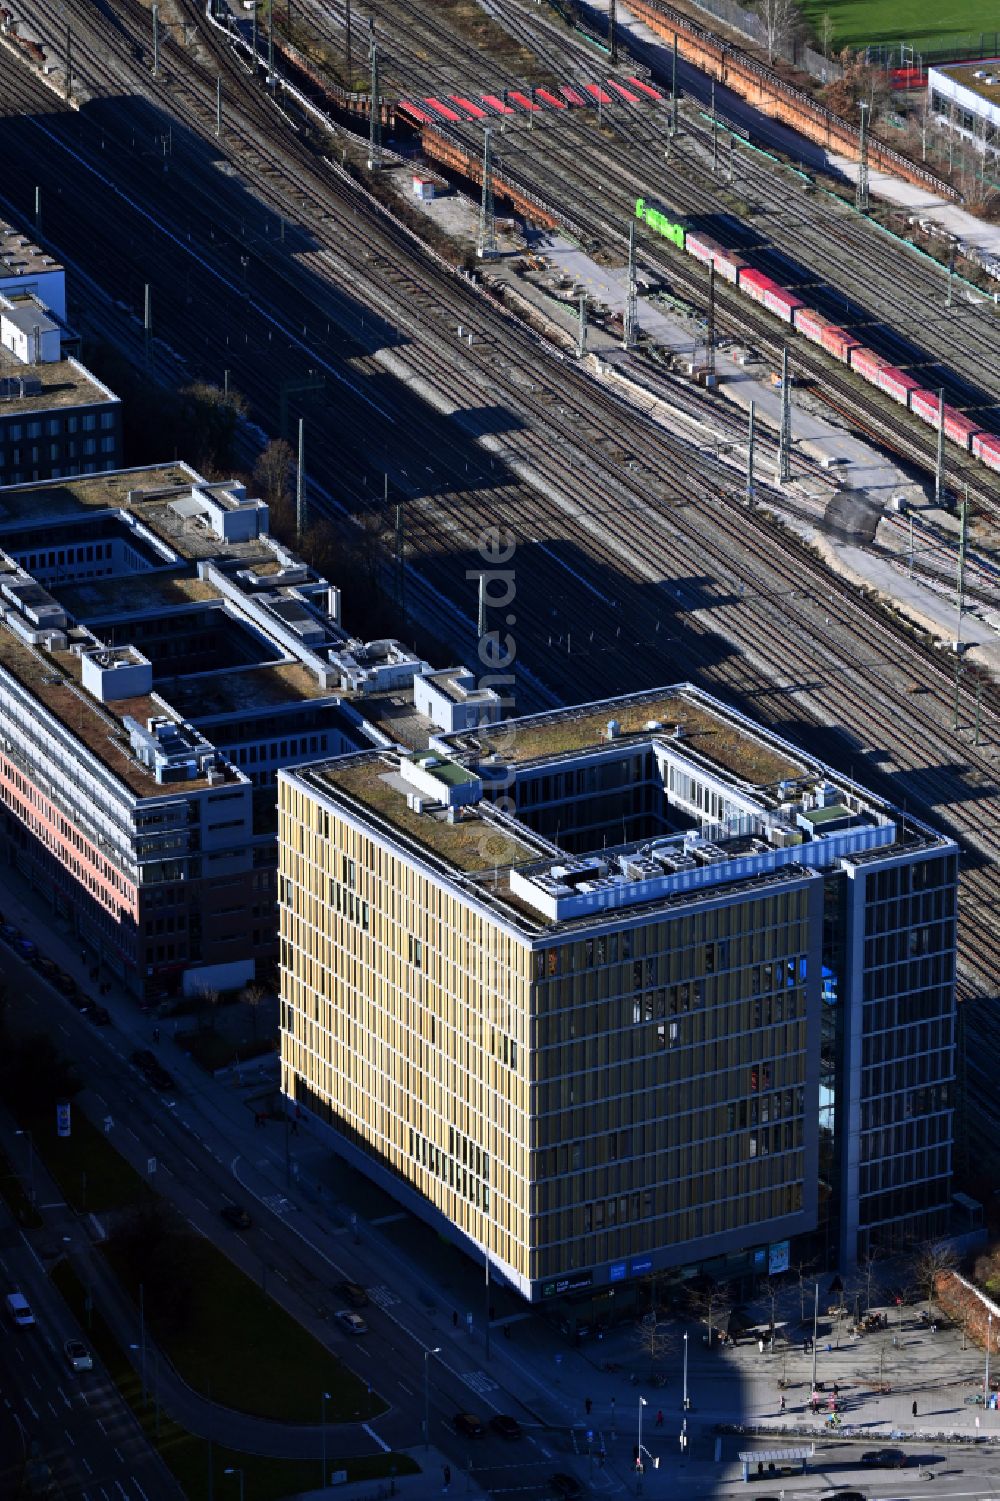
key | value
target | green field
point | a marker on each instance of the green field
(928, 26)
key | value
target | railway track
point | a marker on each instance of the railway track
(594, 547)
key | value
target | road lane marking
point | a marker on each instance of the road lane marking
(32, 1410)
(69, 1437)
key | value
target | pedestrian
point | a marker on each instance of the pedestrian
(659, 1418)
(506, 1331)
(156, 1034)
(914, 1409)
(836, 1389)
(781, 1404)
(760, 1346)
(588, 1404)
(454, 1318)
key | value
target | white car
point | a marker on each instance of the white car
(352, 1322)
(78, 1356)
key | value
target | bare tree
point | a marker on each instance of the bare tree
(707, 1303)
(867, 1269)
(826, 33)
(254, 996)
(273, 471)
(929, 1263)
(656, 1337)
(781, 19)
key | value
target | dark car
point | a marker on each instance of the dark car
(235, 1214)
(143, 1058)
(848, 1496)
(160, 1078)
(886, 1459)
(565, 1485)
(469, 1424)
(64, 982)
(99, 1015)
(46, 966)
(353, 1293)
(9, 933)
(81, 1003)
(25, 948)
(505, 1425)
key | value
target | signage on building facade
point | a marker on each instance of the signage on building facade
(569, 1284)
(778, 1257)
(63, 1118)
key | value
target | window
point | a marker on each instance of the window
(416, 952)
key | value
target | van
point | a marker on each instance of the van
(19, 1310)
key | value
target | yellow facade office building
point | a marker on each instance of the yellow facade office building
(589, 990)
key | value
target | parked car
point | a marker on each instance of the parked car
(354, 1293)
(81, 1003)
(352, 1322)
(99, 1015)
(885, 1459)
(19, 1311)
(153, 1070)
(79, 1357)
(143, 1058)
(160, 1078)
(505, 1425)
(64, 982)
(46, 966)
(9, 933)
(235, 1214)
(469, 1424)
(566, 1486)
(25, 948)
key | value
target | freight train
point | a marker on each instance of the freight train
(840, 342)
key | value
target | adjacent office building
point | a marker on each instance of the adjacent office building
(627, 987)
(56, 417)
(161, 656)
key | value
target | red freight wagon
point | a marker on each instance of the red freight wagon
(443, 109)
(467, 104)
(897, 384)
(414, 112)
(702, 247)
(570, 94)
(838, 341)
(756, 285)
(599, 94)
(925, 404)
(810, 324)
(524, 100)
(868, 364)
(647, 89)
(497, 103)
(986, 446)
(777, 300)
(959, 428)
(625, 93)
(549, 98)
(727, 263)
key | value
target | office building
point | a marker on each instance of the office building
(161, 656)
(627, 987)
(56, 417)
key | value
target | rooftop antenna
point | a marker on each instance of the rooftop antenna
(631, 324)
(486, 245)
(375, 107)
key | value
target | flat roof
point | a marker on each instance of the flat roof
(965, 74)
(245, 689)
(473, 843)
(64, 383)
(74, 495)
(727, 741)
(20, 256)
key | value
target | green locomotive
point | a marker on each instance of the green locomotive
(673, 230)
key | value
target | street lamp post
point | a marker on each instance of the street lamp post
(31, 1162)
(639, 1465)
(322, 1425)
(233, 1471)
(986, 1378)
(687, 1400)
(427, 1399)
(815, 1331)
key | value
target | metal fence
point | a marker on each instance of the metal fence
(750, 25)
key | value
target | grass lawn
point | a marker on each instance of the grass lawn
(224, 1335)
(189, 1458)
(92, 1175)
(924, 23)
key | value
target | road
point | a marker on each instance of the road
(75, 1424)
